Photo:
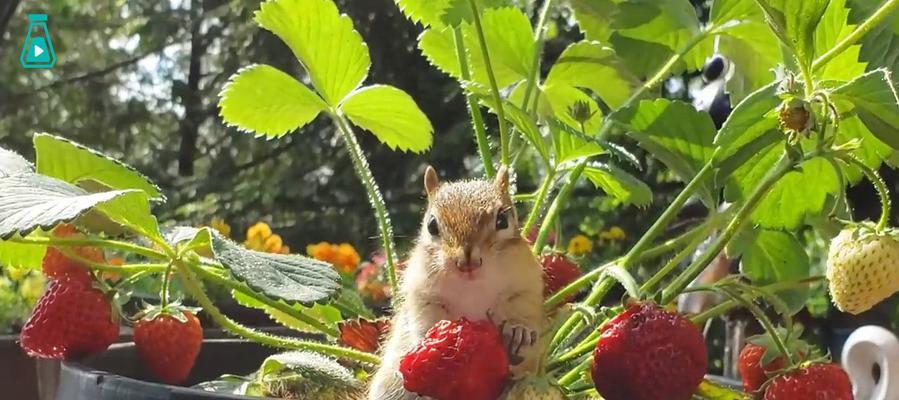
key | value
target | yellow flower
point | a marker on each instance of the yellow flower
(261, 238)
(221, 226)
(613, 234)
(580, 245)
(16, 273)
(32, 287)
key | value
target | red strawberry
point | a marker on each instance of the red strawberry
(169, 344)
(558, 272)
(760, 359)
(56, 264)
(457, 360)
(818, 381)
(71, 320)
(647, 353)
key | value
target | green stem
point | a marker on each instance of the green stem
(196, 291)
(586, 346)
(807, 77)
(784, 165)
(860, 31)
(277, 305)
(164, 292)
(556, 207)
(727, 305)
(539, 40)
(108, 244)
(674, 262)
(497, 98)
(879, 184)
(477, 119)
(374, 196)
(652, 253)
(537, 208)
(766, 323)
(573, 374)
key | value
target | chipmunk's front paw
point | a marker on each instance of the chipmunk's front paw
(516, 338)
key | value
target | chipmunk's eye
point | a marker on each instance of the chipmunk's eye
(502, 219)
(433, 229)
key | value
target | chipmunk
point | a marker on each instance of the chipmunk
(469, 261)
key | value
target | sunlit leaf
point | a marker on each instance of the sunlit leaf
(13, 164)
(746, 40)
(268, 102)
(619, 184)
(323, 40)
(797, 20)
(873, 98)
(832, 28)
(557, 101)
(769, 256)
(391, 115)
(590, 65)
(71, 162)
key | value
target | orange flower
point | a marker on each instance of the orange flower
(221, 226)
(261, 238)
(343, 256)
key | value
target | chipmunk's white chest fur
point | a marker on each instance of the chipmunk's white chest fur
(470, 297)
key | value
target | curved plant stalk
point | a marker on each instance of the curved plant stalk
(500, 113)
(763, 320)
(196, 291)
(277, 305)
(556, 207)
(539, 40)
(860, 31)
(360, 164)
(164, 291)
(477, 118)
(545, 188)
(877, 181)
(727, 305)
(105, 243)
(672, 264)
(572, 375)
(782, 167)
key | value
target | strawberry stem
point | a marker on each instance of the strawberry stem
(872, 175)
(763, 320)
(105, 243)
(725, 306)
(494, 87)
(196, 291)
(477, 118)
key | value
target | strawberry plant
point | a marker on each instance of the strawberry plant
(816, 112)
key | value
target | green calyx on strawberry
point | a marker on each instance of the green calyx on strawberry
(647, 353)
(168, 341)
(558, 272)
(861, 267)
(760, 358)
(457, 360)
(71, 320)
(813, 381)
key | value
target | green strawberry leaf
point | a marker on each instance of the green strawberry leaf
(268, 102)
(770, 256)
(291, 278)
(797, 21)
(71, 162)
(594, 18)
(833, 28)
(619, 184)
(327, 314)
(439, 48)
(510, 44)
(745, 39)
(873, 98)
(460, 10)
(570, 144)
(426, 12)
(523, 122)
(391, 115)
(313, 367)
(12, 163)
(323, 40)
(31, 201)
(675, 133)
(871, 151)
(590, 65)
(880, 46)
(18, 255)
(747, 122)
(557, 100)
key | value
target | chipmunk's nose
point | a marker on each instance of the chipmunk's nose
(469, 260)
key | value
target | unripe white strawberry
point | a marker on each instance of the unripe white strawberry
(862, 268)
(534, 388)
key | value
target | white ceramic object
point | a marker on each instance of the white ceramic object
(866, 347)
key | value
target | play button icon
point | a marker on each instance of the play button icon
(38, 51)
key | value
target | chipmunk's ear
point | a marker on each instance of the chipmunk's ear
(431, 181)
(502, 179)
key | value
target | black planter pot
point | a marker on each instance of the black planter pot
(118, 374)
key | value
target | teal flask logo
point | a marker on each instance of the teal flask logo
(37, 52)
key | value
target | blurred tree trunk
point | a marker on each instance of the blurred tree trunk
(191, 97)
(7, 10)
